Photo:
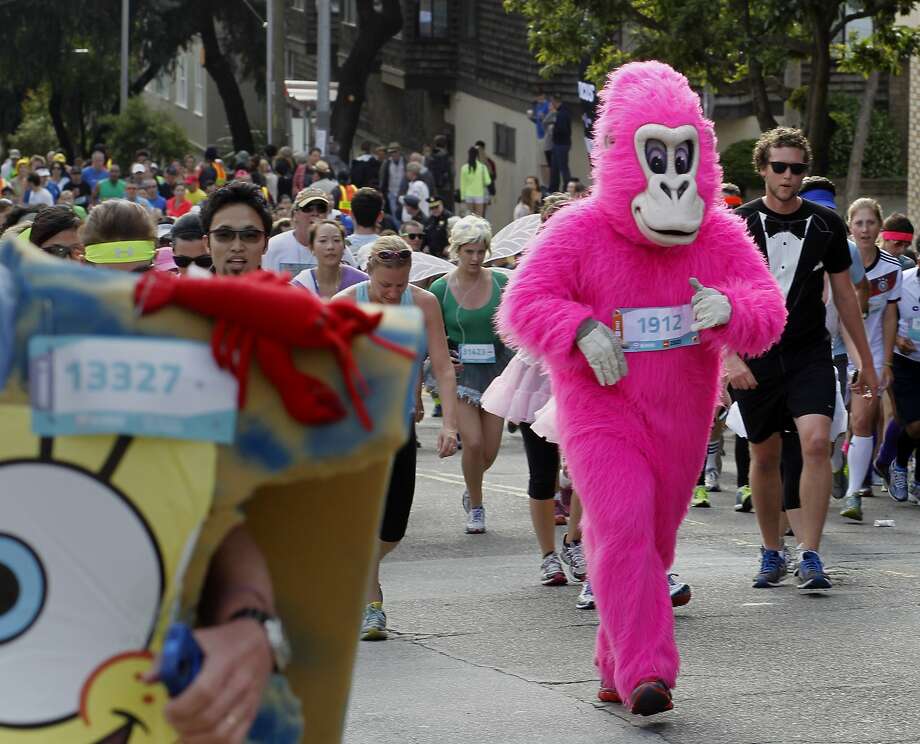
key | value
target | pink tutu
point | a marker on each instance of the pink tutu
(519, 391)
(544, 424)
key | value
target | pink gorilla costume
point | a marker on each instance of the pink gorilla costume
(654, 219)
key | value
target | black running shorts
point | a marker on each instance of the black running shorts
(906, 388)
(400, 492)
(789, 385)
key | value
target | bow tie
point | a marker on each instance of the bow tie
(773, 226)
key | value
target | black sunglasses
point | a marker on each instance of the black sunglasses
(797, 168)
(403, 255)
(413, 236)
(204, 261)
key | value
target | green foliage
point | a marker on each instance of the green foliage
(35, 134)
(737, 165)
(143, 127)
(883, 157)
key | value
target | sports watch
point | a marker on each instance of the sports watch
(274, 630)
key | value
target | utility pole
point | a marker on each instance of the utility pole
(323, 72)
(125, 30)
(269, 64)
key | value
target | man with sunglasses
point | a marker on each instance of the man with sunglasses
(290, 250)
(188, 244)
(801, 241)
(437, 228)
(413, 233)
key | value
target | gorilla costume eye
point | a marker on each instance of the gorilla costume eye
(683, 157)
(656, 155)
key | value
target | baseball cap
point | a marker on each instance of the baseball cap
(393, 146)
(43, 172)
(819, 190)
(164, 260)
(411, 200)
(321, 166)
(434, 201)
(187, 227)
(137, 168)
(59, 157)
(15, 154)
(311, 194)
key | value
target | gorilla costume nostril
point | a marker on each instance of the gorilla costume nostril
(664, 187)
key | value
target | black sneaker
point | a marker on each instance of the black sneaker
(773, 569)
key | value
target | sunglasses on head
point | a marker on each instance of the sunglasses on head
(797, 168)
(204, 261)
(413, 236)
(403, 255)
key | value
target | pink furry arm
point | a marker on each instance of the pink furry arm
(758, 316)
(537, 312)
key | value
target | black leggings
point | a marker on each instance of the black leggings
(400, 492)
(543, 464)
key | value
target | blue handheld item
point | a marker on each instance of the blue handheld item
(181, 659)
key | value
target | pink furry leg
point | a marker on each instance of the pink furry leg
(618, 491)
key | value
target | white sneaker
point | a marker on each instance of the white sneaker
(585, 600)
(573, 555)
(551, 573)
(476, 521)
(711, 478)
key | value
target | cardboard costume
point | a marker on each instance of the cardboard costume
(105, 538)
(623, 258)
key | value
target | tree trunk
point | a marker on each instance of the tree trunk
(854, 171)
(56, 111)
(140, 82)
(822, 15)
(374, 30)
(221, 72)
(760, 98)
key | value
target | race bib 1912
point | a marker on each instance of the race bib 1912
(130, 385)
(655, 328)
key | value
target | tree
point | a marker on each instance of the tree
(720, 43)
(374, 30)
(142, 127)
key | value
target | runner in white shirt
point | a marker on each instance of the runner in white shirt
(906, 385)
(290, 250)
(883, 271)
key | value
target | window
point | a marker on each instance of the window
(299, 5)
(162, 86)
(350, 12)
(199, 88)
(504, 142)
(182, 81)
(432, 19)
(290, 65)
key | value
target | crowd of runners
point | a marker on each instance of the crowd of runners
(833, 409)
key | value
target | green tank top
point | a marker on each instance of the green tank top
(469, 326)
(108, 190)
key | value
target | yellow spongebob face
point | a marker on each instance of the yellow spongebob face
(86, 585)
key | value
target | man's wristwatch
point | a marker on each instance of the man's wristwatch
(277, 640)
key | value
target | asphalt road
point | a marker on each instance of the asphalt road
(479, 651)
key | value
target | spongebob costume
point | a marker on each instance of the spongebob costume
(105, 538)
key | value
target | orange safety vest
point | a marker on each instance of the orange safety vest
(221, 172)
(346, 193)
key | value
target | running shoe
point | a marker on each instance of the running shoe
(465, 500)
(811, 572)
(866, 492)
(839, 484)
(897, 488)
(374, 627)
(773, 569)
(437, 412)
(876, 479)
(650, 697)
(743, 501)
(476, 521)
(680, 592)
(711, 479)
(512, 427)
(914, 496)
(700, 498)
(551, 572)
(573, 555)
(559, 512)
(853, 507)
(585, 601)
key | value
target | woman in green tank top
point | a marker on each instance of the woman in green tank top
(469, 297)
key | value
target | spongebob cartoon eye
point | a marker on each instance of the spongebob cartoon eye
(81, 580)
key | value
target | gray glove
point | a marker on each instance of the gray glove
(710, 307)
(603, 351)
